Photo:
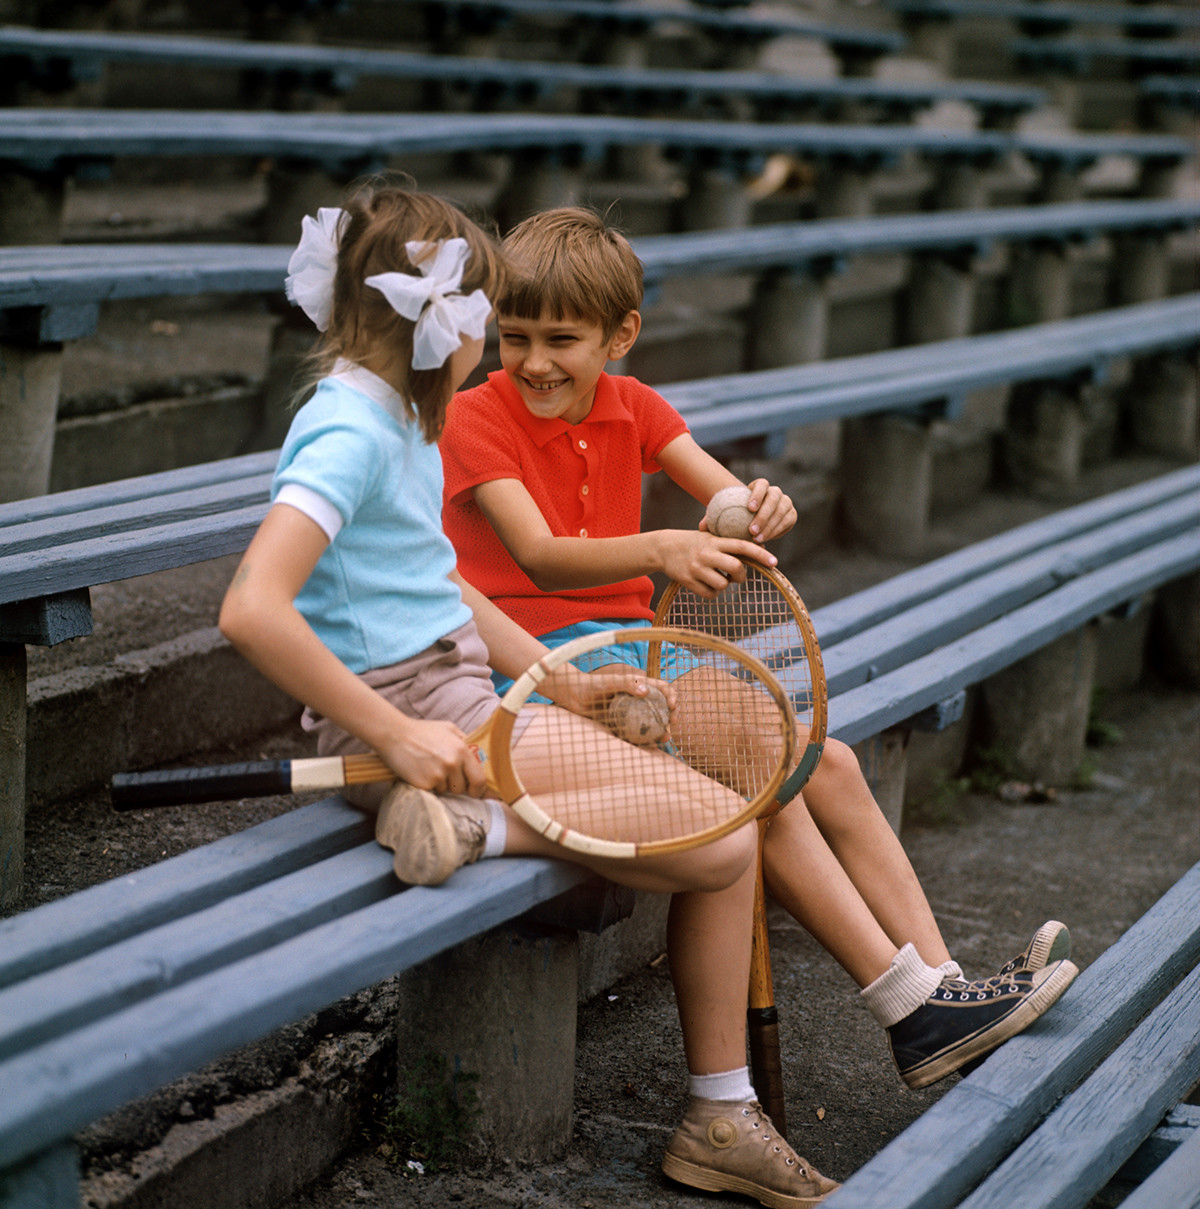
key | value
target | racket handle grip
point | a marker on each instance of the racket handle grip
(766, 1064)
(179, 786)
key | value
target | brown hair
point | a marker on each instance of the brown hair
(381, 216)
(569, 263)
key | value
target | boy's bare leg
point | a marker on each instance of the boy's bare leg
(856, 832)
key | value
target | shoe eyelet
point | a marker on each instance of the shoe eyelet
(790, 1162)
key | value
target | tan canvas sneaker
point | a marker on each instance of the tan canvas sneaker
(723, 1146)
(431, 836)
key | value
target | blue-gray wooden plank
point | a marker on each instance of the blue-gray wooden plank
(1076, 1150)
(834, 239)
(1079, 52)
(1102, 331)
(918, 629)
(70, 928)
(899, 695)
(54, 1090)
(42, 138)
(342, 64)
(47, 1181)
(219, 499)
(1046, 12)
(1175, 1184)
(977, 1122)
(146, 487)
(76, 993)
(954, 367)
(756, 26)
(107, 557)
(40, 275)
(34, 275)
(843, 618)
(1183, 91)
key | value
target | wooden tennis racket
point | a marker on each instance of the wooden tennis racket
(765, 617)
(570, 777)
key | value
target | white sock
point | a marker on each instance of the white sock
(497, 832)
(731, 1085)
(901, 988)
(951, 969)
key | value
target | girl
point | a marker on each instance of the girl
(349, 599)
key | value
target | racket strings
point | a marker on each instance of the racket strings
(759, 616)
(701, 777)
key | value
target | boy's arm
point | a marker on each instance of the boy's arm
(701, 561)
(702, 476)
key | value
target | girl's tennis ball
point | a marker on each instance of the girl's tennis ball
(727, 514)
(640, 720)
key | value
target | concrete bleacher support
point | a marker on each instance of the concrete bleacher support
(501, 1009)
(29, 386)
(788, 323)
(12, 785)
(886, 467)
(1038, 732)
(940, 299)
(1164, 406)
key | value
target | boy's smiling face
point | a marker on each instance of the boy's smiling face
(555, 363)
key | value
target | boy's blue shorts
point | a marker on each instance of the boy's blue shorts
(633, 653)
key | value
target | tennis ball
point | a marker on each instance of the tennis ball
(727, 514)
(640, 720)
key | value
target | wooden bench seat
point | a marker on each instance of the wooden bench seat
(1077, 54)
(51, 294)
(112, 992)
(1053, 16)
(53, 60)
(856, 46)
(1054, 1113)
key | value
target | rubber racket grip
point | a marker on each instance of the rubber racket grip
(178, 786)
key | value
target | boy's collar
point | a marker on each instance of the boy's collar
(606, 406)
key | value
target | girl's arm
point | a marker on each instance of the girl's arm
(512, 649)
(260, 618)
(702, 476)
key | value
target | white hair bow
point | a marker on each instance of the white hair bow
(443, 315)
(313, 264)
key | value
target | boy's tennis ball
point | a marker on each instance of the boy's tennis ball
(640, 720)
(727, 514)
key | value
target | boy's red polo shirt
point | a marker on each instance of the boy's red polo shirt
(586, 478)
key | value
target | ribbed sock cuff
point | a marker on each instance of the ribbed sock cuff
(901, 988)
(731, 1085)
(497, 832)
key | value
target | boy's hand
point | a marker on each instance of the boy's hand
(706, 564)
(774, 512)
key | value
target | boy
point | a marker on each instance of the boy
(543, 467)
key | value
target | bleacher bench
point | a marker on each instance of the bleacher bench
(54, 60)
(1077, 55)
(110, 993)
(1054, 16)
(450, 20)
(53, 293)
(1089, 1093)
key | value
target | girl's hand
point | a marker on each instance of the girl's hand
(435, 755)
(588, 693)
(774, 512)
(704, 563)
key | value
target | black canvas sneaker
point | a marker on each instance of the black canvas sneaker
(961, 1021)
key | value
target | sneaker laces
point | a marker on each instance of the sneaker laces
(980, 988)
(790, 1157)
